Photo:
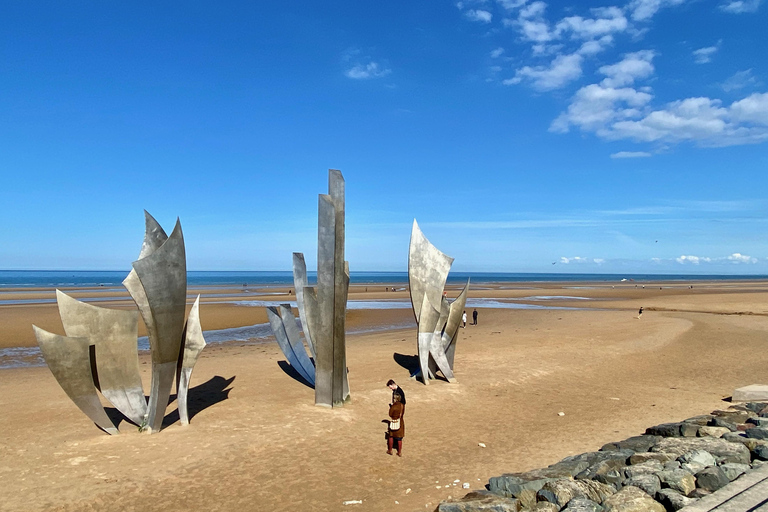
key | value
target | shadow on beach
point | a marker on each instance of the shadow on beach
(292, 373)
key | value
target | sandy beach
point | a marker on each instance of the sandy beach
(257, 442)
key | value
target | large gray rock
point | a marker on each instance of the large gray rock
(689, 429)
(739, 437)
(545, 506)
(757, 433)
(701, 420)
(698, 459)
(720, 448)
(632, 499)
(677, 479)
(583, 505)
(636, 444)
(527, 498)
(648, 483)
(601, 468)
(712, 431)
(734, 416)
(644, 468)
(672, 500)
(664, 430)
(722, 422)
(734, 471)
(480, 501)
(561, 492)
(613, 477)
(760, 452)
(712, 478)
(639, 458)
(510, 484)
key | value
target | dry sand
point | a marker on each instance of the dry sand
(256, 442)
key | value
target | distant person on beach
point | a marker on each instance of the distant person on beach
(464, 319)
(640, 313)
(396, 391)
(396, 430)
(474, 317)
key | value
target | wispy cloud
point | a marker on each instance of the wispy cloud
(360, 66)
(479, 15)
(735, 258)
(644, 10)
(704, 55)
(740, 80)
(631, 154)
(740, 6)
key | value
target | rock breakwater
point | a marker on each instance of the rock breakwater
(670, 466)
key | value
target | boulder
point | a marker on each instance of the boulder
(644, 468)
(734, 471)
(632, 499)
(699, 493)
(672, 500)
(757, 433)
(560, 492)
(677, 479)
(739, 437)
(700, 457)
(722, 422)
(583, 505)
(527, 498)
(756, 407)
(711, 479)
(758, 421)
(636, 444)
(712, 431)
(702, 420)
(760, 452)
(480, 501)
(639, 458)
(613, 477)
(664, 430)
(511, 484)
(733, 416)
(689, 429)
(602, 468)
(544, 506)
(649, 483)
(757, 463)
(720, 448)
(672, 464)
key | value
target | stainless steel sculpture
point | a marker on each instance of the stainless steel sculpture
(322, 310)
(286, 332)
(437, 318)
(158, 286)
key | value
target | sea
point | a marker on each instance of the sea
(261, 333)
(94, 278)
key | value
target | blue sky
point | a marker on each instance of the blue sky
(524, 136)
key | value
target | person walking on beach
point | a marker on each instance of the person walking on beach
(464, 319)
(640, 313)
(474, 317)
(396, 430)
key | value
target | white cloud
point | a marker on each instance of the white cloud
(608, 20)
(752, 109)
(511, 4)
(704, 55)
(643, 10)
(740, 80)
(634, 66)
(533, 10)
(498, 52)
(691, 259)
(631, 154)
(562, 70)
(479, 15)
(596, 106)
(740, 6)
(365, 71)
(741, 258)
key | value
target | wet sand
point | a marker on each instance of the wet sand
(256, 442)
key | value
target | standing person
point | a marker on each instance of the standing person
(464, 319)
(474, 317)
(640, 313)
(396, 391)
(396, 430)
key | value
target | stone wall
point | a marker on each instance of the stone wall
(667, 468)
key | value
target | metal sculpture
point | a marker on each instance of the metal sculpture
(437, 318)
(322, 310)
(100, 350)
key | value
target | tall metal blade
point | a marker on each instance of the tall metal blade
(113, 334)
(300, 282)
(278, 329)
(193, 344)
(294, 338)
(69, 360)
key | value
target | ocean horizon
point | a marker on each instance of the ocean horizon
(88, 278)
